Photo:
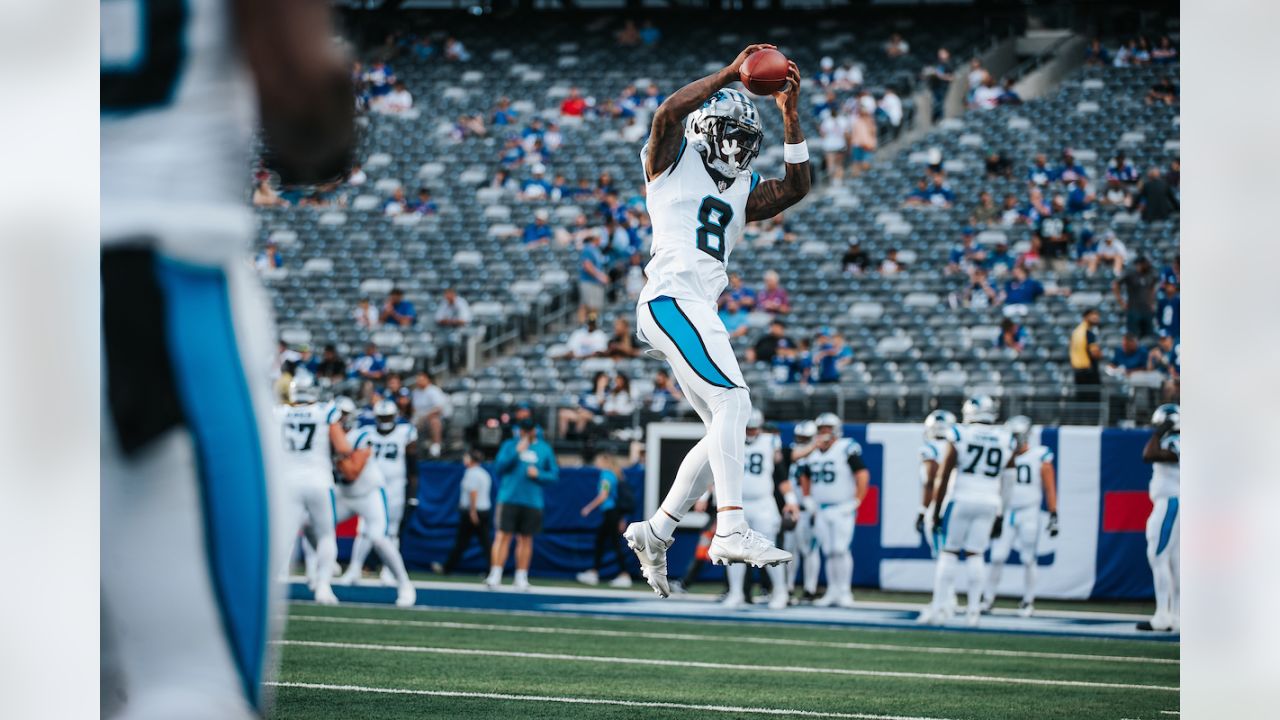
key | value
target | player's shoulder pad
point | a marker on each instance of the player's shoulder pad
(1044, 453)
(852, 447)
(359, 437)
(928, 452)
(953, 433)
(331, 413)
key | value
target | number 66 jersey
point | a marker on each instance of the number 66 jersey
(695, 227)
(982, 454)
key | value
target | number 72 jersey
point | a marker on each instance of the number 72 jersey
(982, 454)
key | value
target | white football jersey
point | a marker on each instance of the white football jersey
(1165, 476)
(1028, 485)
(390, 449)
(757, 473)
(695, 228)
(177, 114)
(305, 433)
(932, 450)
(831, 478)
(982, 455)
(371, 477)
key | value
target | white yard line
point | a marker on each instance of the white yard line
(745, 639)
(598, 701)
(720, 666)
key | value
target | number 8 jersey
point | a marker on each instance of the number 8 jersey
(982, 454)
(695, 228)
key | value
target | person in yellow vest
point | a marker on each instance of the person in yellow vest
(1086, 354)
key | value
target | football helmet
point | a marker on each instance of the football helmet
(302, 389)
(979, 409)
(805, 431)
(1168, 411)
(385, 414)
(831, 420)
(727, 132)
(937, 424)
(1020, 426)
(347, 409)
(756, 421)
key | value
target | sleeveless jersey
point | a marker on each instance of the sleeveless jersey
(389, 450)
(305, 434)
(371, 477)
(982, 454)
(177, 113)
(695, 228)
(757, 474)
(831, 478)
(1028, 487)
(1165, 476)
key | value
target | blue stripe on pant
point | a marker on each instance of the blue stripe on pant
(1166, 527)
(946, 520)
(386, 511)
(219, 410)
(672, 321)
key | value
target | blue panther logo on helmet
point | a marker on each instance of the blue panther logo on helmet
(727, 132)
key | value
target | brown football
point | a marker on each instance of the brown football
(764, 72)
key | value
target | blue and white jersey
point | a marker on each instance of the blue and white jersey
(931, 451)
(695, 228)
(390, 448)
(1165, 476)
(982, 454)
(757, 472)
(175, 95)
(832, 480)
(370, 478)
(1028, 484)
(305, 436)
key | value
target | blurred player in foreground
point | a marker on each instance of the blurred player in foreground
(978, 451)
(701, 192)
(189, 499)
(1163, 451)
(1033, 483)
(838, 481)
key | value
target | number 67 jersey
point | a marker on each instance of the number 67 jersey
(305, 428)
(695, 227)
(982, 454)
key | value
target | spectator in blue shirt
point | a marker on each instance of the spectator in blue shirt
(828, 356)
(940, 193)
(1171, 274)
(503, 114)
(1040, 173)
(965, 254)
(536, 187)
(1120, 168)
(1130, 356)
(593, 277)
(1013, 336)
(1022, 289)
(1070, 169)
(665, 394)
(1169, 312)
(370, 365)
(398, 311)
(537, 232)
(525, 465)
(424, 205)
(649, 33)
(512, 153)
(919, 196)
(1079, 199)
(734, 317)
(740, 293)
(1096, 55)
(1000, 261)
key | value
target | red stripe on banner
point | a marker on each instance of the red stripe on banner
(347, 528)
(869, 510)
(1125, 511)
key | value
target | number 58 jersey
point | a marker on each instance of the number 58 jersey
(305, 432)
(696, 225)
(982, 454)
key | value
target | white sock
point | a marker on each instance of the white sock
(690, 482)
(943, 582)
(308, 558)
(1163, 580)
(1030, 570)
(391, 558)
(522, 576)
(977, 569)
(737, 577)
(777, 576)
(993, 582)
(495, 573)
(726, 452)
(359, 551)
(326, 556)
(730, 521)
(812, 558)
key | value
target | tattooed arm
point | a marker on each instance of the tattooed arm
(773, 196)
(668, 119)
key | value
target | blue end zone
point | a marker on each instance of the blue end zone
(621, 605)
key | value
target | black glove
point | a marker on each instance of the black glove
(1053, 524)
(998, 527)
(920, 523)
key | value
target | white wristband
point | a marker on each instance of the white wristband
(789, 497)
(796, 153)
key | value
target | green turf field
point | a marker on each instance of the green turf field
(467, 664)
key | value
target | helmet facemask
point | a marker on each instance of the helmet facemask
(726, 131)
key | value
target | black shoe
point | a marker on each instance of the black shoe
(1146, 626)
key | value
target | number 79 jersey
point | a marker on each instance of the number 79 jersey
(982, 454)
(696, 225)
(305, 434)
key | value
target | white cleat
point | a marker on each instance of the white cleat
(324, 595)
(779, 600)
(846, 601)
(1158, 623)
(406, 595)
(827, 600)
(731, 602)
(651, 550)
(972, 617)
(520, 586)
(622, 581)
(589, 577)
(746, 546)
(931, 616)
(1026, 609)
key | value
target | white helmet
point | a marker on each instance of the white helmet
(1020, 426)
(937, 424)
(979, 409)
(756, 421)
(302, 389)
(831, 420)
(346, 408)
(726, 131)
(1168, 411)
(806, 430)
(385, 413)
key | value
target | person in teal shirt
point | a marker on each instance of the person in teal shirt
(612, 524)
(525, 464)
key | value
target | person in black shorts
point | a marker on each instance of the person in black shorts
(525, 464)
